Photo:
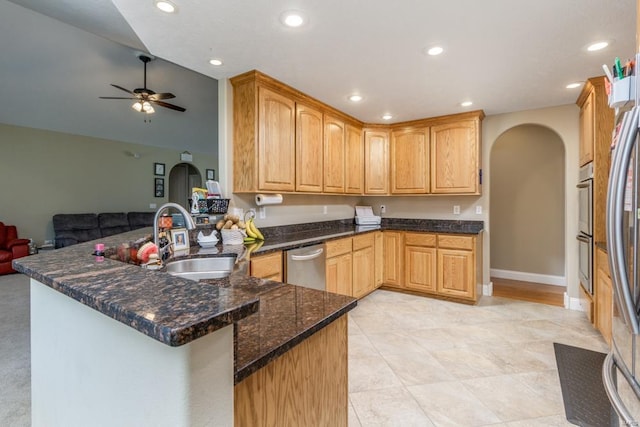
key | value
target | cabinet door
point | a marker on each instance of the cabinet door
(420, 268)
(363, 271)
(456, 273)
(376, 162)
(267, 266)
(333, 155)
(339, 274)
(309, 149)
(276, 142)
(410, 161)
(393, 265)
(455, 158)
(354, 161)
(587, 131)
(379, 259)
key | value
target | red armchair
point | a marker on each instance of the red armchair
(11, 247)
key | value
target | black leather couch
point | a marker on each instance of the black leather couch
(76, 228)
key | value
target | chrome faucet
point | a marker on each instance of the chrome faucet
(188, 221)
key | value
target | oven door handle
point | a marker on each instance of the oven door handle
(584, 184)
(312, 255)
(583, 239)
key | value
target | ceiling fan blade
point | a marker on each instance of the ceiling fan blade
(113, 97)
(157, 96)
(121, 88)
(167, 105)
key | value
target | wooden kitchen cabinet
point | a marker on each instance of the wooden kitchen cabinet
(409, 169)
(587, 132)
(267, 266)
(420, 261)
(455, 157)
(339, 266)
(309, 149)
(379, 258)
(456, 266)
(393, 259)
(334, 154)
(376, 162)
(354, 161)
(363, 265)
(603, 296)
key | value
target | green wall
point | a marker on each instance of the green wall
(43, 173)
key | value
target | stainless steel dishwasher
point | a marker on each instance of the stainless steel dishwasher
(306, 267)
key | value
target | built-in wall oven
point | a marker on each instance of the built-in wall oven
(585, 227)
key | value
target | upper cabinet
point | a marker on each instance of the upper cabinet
(334, 155)
(410, 161)
(354, 161)
(286, 141)
(455, 157)
(376, 162)
(587, 123)
(309, 149)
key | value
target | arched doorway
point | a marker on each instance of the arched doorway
(527, 207)
(182, 178)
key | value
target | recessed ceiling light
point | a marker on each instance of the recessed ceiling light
(573, 85)
(166, 6)
(466, 104)
(436, 50)
(387, 117)
(292, 18)
(597, 46)
(215, 61)
(355, 98)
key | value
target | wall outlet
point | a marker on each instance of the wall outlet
(324, 209)
(152, 205)
(383, 209)
(456, 209)
(479, 210)
(262, 212)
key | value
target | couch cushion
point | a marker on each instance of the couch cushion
(5, 256)
(140, 219)
(78, 227)
(113, 223)
(3, 235)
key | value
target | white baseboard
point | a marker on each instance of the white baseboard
(545, 279)
(572, 303)
(487, 289)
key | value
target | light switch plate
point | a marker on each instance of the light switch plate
(456, 209)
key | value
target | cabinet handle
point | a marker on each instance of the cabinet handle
(307, 257)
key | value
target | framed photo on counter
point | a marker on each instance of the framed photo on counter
(180, 239)
(211, 174)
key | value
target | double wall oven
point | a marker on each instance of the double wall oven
(585, 227)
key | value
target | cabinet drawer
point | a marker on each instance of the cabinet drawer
(455, 242)
(267, 266)
(338, 247)
(365, 241)
(420, 239)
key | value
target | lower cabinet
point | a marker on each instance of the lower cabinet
(603, 296)
(351, 264)
(267, 266)
(446, 265)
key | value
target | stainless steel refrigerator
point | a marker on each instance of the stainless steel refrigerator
(621, 369)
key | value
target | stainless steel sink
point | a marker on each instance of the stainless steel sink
(201, 268)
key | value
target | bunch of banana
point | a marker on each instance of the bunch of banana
(253, 246)
(253, 233)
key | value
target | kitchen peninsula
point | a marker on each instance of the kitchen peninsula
(115, 344)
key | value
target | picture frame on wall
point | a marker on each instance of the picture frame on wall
(158, 187)
(180, 239)
(211, 174)
(158, 169)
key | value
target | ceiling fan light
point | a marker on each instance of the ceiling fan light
(137, 106)
(148, 108)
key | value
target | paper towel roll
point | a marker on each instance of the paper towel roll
(268, 199)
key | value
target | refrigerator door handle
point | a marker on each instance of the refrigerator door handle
(608, 368)
(615, 211)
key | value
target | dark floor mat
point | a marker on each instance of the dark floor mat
(585, 401)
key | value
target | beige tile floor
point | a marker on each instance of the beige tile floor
(416, 361)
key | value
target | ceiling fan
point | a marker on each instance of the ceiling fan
(145, 97)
